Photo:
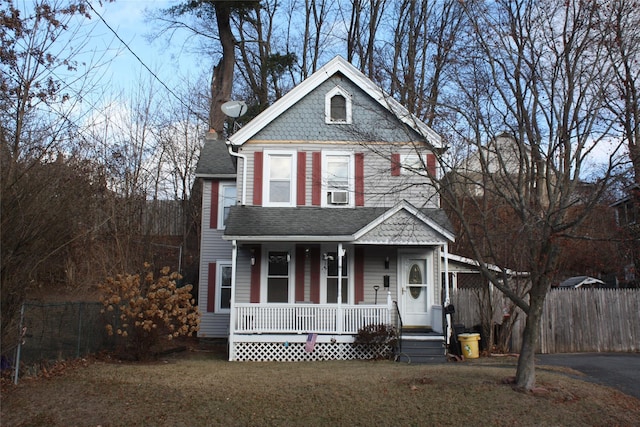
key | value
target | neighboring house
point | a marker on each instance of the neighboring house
(464, 273)
(627, 209)
(581, 282)
(491, 166)
(331, 232)
(628, 218)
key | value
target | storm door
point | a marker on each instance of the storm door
(415, 290)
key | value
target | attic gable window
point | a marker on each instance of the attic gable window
(337, 106)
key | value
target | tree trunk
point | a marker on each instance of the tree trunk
(526, 372)
(222, 79)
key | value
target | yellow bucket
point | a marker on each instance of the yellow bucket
(469, 345)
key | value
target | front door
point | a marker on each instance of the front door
(415, 289)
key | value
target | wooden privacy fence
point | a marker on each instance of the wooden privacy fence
(573, 321)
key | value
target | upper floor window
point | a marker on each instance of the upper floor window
(337, 106)
(338, 178)
(412, 164)
(420, 164)
(226, 199)
(627, 213)
(279, 178)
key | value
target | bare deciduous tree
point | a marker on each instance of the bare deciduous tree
(46, 190)
(538, 72)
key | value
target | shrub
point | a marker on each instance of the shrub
(383, 339)
(146, 313)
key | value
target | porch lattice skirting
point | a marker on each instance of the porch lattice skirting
(295, 351)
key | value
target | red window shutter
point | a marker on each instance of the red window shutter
(316, 178)
(213, 218)
(431, 165)
(302, 176)
(300, 262)
(254, 294)
(359, 159)
(358, 265)
(395, 164)
(211, 288)
(257, 178)
(314, 272)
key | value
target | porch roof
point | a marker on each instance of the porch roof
(259, 223)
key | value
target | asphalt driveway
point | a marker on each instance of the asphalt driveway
(617, 370)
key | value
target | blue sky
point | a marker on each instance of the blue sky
(127, 18)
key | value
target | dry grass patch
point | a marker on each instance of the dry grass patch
(203, 390)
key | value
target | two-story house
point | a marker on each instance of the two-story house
(318, 219)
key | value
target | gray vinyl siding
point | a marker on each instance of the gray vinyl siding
(375, 271)
(243, 276)
(212, 249)
(381, 188)
(374, 132)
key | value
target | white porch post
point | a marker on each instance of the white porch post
(339, 320)
(389, 305)
(447, 297)
(233, 314)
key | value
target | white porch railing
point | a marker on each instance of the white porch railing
(307, 318)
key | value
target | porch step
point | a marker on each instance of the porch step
(421, 347)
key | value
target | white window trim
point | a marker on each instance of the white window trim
(327, 106)
(266, 181)
(324, 271)
(264, 272)
(405, 168)
(219, 265)
(221, 189)
(351, 179)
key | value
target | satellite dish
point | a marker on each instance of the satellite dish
(234, 109)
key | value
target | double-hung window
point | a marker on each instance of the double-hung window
(338, 178)
(223, 290)
(279, 178)
(227, 198)
(278, 276)
(412, 164)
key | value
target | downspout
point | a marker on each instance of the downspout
(232, 314)
(244, 171)
(234, 255)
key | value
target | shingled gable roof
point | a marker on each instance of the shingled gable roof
(257, 223)
(336, 65)
(215, 162)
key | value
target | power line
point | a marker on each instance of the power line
(155, 76)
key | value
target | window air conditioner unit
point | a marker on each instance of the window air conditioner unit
(339, 197)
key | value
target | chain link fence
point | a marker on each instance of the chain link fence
(57, 331)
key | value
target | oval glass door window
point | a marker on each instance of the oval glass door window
(415, 278)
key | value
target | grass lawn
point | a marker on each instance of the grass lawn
(201, 389)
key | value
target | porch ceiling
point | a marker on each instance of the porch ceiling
(257, 223)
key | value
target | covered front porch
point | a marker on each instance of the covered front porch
(292, 332)
(306, 297)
